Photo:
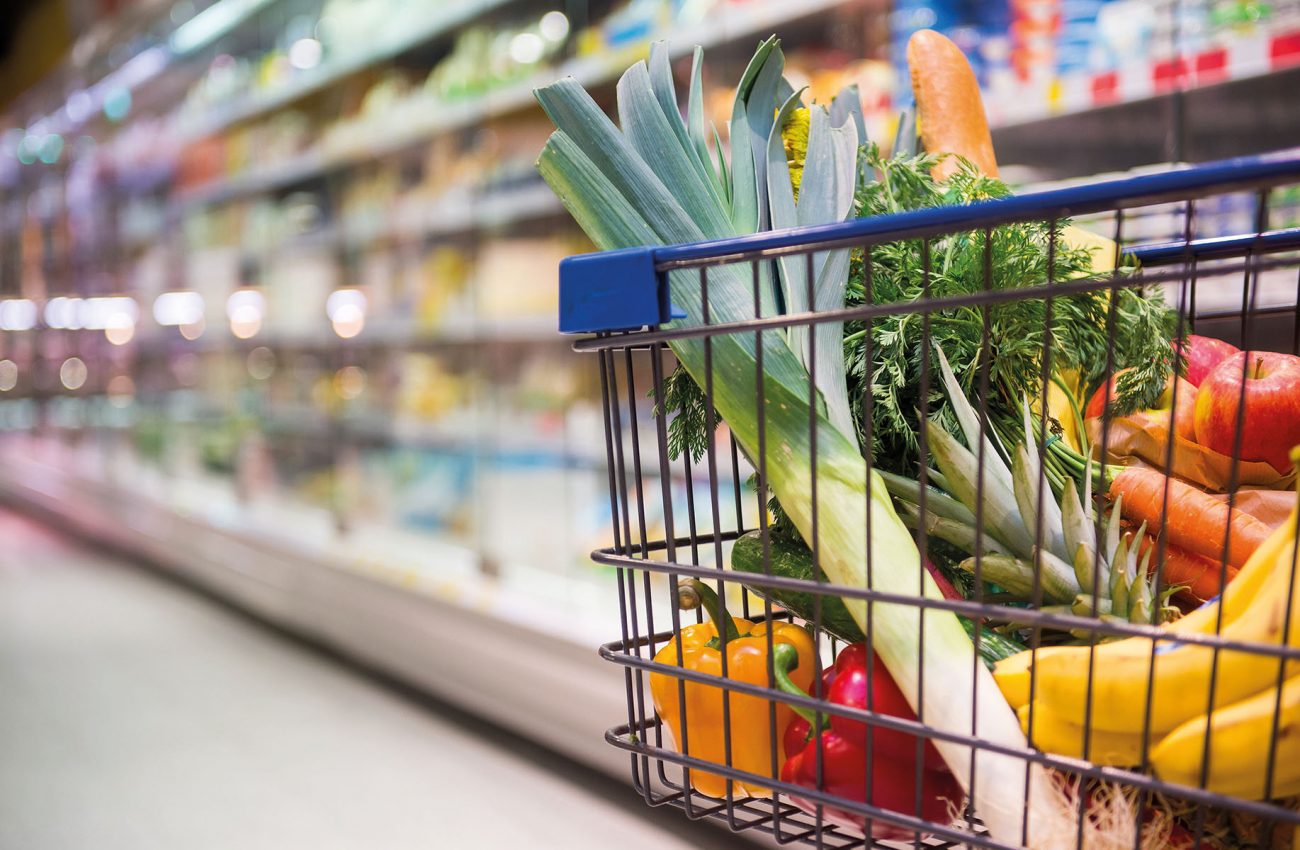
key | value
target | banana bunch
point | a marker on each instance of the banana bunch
(1016, 508)
(1251, 719)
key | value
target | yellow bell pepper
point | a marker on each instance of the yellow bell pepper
(696, 720)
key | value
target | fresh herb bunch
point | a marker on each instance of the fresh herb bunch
(1018, 255)
(688, 430)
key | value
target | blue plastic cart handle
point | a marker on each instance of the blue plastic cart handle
(620, 290)
(1218, 246)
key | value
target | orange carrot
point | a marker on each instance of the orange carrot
(1195, 521)
(1198, 575)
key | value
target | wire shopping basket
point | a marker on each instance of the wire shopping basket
(892, 732)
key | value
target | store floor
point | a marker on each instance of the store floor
(137, 714)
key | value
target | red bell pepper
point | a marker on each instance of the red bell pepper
(843, 749)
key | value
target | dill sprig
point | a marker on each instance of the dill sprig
(1010, 257)
(684, 401)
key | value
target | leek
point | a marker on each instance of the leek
(602, 175)
(830, 176)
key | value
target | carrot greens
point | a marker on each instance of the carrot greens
(1019, 255)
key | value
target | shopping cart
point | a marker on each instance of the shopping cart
(675, 515)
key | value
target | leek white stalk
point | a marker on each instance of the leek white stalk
(602, 175)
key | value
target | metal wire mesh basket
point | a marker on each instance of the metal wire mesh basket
(1215, 239)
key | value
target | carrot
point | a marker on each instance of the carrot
(1195, 521)
(1199, 575)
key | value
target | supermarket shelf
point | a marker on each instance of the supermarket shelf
(485, 440)
(309, 423)
(495, 210)
(312, 591)
(518, 329)
(731, 24)
(284, 173)
(486, 443)
(459, 212)
(1241, 57)
(447, 20)
(1115, 124)
(468, 211)
(1240, 118)
(521, 330)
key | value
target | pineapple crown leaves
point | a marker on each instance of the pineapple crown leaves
(1055, 544)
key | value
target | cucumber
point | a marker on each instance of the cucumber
(792, 559)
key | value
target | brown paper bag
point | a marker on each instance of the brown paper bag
(1132, 441)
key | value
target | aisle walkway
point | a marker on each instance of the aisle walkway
(135, 714)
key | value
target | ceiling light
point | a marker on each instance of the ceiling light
(526, 48)
(554, 26)
(73, 373)
(173, 309)
(305, 53)
(17, 314)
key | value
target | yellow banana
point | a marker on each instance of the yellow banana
(1012, 674)
(1054, 734)
(1120, 670)
(1240, 737)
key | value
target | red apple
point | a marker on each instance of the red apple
(1097, 403)
(1183, 418)
(1270, 424)
(1203, 353)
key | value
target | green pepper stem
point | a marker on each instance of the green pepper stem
(784, 659)
(717, 611)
